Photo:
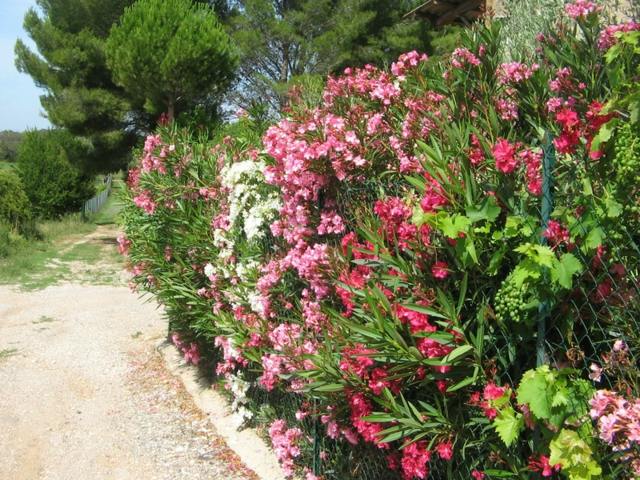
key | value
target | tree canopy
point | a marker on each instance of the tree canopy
(70, 65)
(51, 167)
(280, 40)
(171, 56)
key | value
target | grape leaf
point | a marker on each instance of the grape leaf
(508, 425)
(565, 269)
(534, 391)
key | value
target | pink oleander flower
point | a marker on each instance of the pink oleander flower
(504, 153)
(272, 367)
(445, 450)
(285, 335)
(357, 359)
(414, 462)
(285, 445)
(123, 244)
(581, 9)
(608, 36)
(360, 408)
(407, 61)
(191, 354)
(493, 391)
(515, 72)
(620, 346)
(533, 164)
(440, 270)
(507, 109)
(463, 56)
(542, 466)
(145, 201)
(330, 223)
(618, 420)
(478, 475)
(309, 475)
(556, 234)
(596, 372)
(418, 322)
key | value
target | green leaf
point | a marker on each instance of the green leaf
(508, 425)
(452, 225)
(488, 210)
(417, 182)
(574, 455)
(525, 270)
(563, 270)
(457, 353)
(534, 391)
(561, 397)
(604, 134)
(463, 383)
(594, 238)
(327, 387)
(614, 209)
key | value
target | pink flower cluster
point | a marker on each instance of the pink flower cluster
(485, 400)
(144, 200)
(123, 244)
(515, 72)
(189, 350)
(504, 153)
(396, 218)
(407, 61)
(415, 459)
(285, 445)
(462, 57)
(581, 9)
(232, 358)
(556, 234)
(509, 156)
(618, 421)
(609, 35)
(361, 407)
(541, 465)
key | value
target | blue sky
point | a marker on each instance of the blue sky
(19, 98)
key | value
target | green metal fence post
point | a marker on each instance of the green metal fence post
(548, 162)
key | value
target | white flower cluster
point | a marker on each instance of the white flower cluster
(239, 387)
(247, 203)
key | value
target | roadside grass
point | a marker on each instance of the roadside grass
(44, 319)
(4, 165)
(68, 250)
(108, 214)
(7, 352)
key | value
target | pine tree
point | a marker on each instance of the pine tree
(70, 65)
(171, 56)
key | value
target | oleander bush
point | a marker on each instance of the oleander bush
(429, 273)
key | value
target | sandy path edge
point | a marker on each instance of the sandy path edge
(246, 443)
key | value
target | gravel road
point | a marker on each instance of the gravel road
(85, 396)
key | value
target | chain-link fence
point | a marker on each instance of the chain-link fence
(593, 327)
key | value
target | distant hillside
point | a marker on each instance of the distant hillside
(9, 142)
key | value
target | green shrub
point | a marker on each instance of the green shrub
(15, 208)
(50, 166)
(5, 239)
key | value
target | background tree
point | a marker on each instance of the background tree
(172, 56)
(70, 65)
(280, 40)
(51, 167)
(9, 141)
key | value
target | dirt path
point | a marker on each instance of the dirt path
(84, 394)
